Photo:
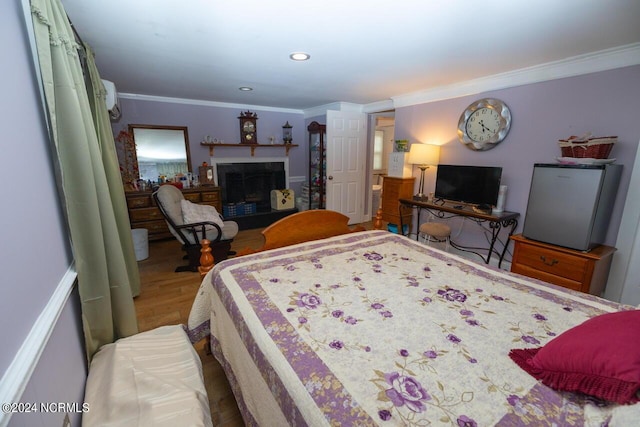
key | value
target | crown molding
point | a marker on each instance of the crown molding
(152, 98)
(609, 59)
(378, 107)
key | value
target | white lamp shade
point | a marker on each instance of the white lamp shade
(424, 154)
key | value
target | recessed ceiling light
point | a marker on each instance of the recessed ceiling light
(245, 88)
(299, 56)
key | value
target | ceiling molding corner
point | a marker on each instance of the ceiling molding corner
(379, 106)
(609, 59)
(335, 106)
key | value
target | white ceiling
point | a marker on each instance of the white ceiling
(361, 51)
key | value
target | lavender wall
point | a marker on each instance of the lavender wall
(221, 123)
(32, 231)
(61, 373)
(604, 103)
(35, 252)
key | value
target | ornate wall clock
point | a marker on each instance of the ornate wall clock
(484, 124)
(248, 128)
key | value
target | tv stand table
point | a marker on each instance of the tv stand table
(445, 210)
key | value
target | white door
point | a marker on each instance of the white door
(346, 169)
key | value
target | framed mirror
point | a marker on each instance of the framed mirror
(161, 151)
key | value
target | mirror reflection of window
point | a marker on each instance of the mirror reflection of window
(161, 151)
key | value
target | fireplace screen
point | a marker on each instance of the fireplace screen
(250, 182)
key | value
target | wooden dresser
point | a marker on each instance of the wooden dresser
(582, 271)
(394, 189)
(143, 212)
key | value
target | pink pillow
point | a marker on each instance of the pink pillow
(600, 357)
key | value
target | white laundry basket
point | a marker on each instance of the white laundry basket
(140, 243)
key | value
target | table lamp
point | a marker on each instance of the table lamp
(423, 155)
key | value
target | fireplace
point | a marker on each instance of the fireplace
(250, 181)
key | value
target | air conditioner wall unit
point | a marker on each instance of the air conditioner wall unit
(113, 105)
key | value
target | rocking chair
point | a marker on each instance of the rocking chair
(190, 235)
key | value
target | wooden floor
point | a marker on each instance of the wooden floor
(166, 298)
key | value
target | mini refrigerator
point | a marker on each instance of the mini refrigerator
(571, 205)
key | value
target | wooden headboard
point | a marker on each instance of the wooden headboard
(299, 227)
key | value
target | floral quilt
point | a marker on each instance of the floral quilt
(377, 329)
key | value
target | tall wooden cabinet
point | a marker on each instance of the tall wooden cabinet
(144, 213)
(317, 165)
(394, 189)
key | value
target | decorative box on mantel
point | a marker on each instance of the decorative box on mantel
(282, 199)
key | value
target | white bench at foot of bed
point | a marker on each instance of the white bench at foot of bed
(153, 378)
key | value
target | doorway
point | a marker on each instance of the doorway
(381, 140)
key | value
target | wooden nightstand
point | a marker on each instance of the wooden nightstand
(582, 271)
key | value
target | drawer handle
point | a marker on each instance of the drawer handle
(549, 263)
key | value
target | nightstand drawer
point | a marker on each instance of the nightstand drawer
(553, 262)
(572, 269)
(548, 277)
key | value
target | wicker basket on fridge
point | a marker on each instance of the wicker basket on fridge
(587, 147)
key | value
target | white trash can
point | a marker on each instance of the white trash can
(140, 243)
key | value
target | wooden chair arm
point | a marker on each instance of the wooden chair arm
(192, 227)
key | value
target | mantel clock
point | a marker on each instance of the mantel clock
(248, 128)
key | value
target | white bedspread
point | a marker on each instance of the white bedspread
(375, 329)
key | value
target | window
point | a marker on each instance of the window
(378, 150)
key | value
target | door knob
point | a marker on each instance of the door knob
(330, 177)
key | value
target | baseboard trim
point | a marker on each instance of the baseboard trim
(17, 376)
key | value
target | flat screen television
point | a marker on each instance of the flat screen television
(477, 185)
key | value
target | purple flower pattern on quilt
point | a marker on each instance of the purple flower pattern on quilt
(452, 295)
(406, 391)
(307, 300)
(464, 421)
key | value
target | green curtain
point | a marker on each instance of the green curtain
(92, 190)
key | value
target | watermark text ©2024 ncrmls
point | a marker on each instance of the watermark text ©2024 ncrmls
(44, 407)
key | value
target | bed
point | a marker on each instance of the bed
(373, 328)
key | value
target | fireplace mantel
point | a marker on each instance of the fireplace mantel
(253, 147)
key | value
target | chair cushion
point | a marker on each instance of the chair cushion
(193, 212)
(435, 229)
(170, 197)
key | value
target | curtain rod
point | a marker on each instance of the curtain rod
(83, 51)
